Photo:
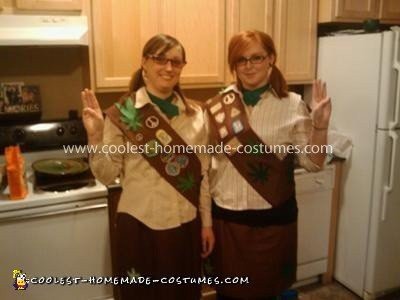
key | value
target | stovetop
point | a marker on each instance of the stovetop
(45, 140)
(38, 197)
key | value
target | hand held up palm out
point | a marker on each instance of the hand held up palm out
(92, 116)
(321, 105)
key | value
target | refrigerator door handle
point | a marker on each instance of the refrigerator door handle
(388, 188)
(396, 65)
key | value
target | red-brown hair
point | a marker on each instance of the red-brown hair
(241, 41)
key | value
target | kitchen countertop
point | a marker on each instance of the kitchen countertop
(43, 198)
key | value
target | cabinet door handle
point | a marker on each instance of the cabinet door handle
(319, 181)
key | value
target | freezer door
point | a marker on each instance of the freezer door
(353, 85)
(383, 259)
(389, 91)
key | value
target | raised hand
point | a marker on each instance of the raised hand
(92, 117)
(321, 105)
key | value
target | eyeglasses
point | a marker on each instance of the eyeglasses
(162, 60)
(254, 60)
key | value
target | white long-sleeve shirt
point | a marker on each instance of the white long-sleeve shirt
(146, 195)
(276, 121)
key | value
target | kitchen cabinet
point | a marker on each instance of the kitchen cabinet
(67, 5)
(293, 26)
(387, 11)
(314, 193)
(121, 28)
(327, 277)
(295, 34)
(60, 238)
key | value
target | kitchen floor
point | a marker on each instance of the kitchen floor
(333, 291)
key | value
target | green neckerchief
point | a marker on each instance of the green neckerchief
(252, 97)
(165, 105)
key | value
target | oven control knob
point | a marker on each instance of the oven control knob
(19, 135)
(60, 131)
(73, 130)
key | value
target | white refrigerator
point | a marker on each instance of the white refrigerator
(362, 75)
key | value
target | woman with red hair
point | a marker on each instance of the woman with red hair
(254, 207)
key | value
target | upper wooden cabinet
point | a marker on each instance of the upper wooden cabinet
(200, 26)
(256, 14)
(74, 5)
(359, 9)
(388, 11)
(295, 34)
(121, 28)
(293, 26)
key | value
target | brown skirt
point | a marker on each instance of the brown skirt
(158, 253)
(266, 255)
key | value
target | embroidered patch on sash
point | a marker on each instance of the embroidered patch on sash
(139, 137)
(151, 148)
(186, 182)
(152, 122)
(215, 108)
(223, 132)
(237, 126)
(163, 136)
(234, 112)
(233, 143)
(182, 160)
(229, 98)
(166, 157)
(220, 117)
(172, 168)
(258, 172)
(129, 114)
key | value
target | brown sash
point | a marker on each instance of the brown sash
(272, 178)
(182, 171)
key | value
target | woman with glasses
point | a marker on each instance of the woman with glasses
(252, 185)
(164, 213)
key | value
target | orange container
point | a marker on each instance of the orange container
(15, 166)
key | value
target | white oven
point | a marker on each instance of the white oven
(55, 235)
